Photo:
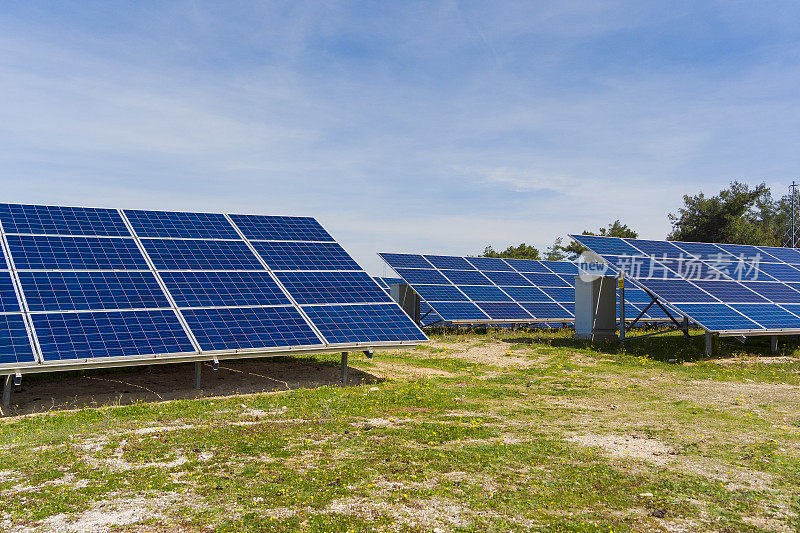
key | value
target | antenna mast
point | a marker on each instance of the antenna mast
(791, 239)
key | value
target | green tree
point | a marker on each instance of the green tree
(523, 251)
(737, 215)
(615, 229)
(555, 252)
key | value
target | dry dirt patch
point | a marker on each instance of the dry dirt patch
(627, 447)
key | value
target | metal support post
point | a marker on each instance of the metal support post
(773, 344)
(344, 368)
(685, 326)
(7, 391)
(622, 307)
(709, 344)
(198, 374)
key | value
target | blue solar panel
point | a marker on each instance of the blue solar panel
(606, 245)
(305, 256)
(560, 294)
(460, 311)
(705, 251)
(746, 252)
(507, 279)
(717, 316)
(729, 291)
(414, 276)
(546, 310)
(449, 262)
(527, 265)
(75, 253)
(777, 292)
(8, 296)
(440, 293)
(210, 289)
(779, 271)
(168, 254)
(70, 336)
(489, 263)
(657, 249)
(562, 267)
(53, 220)
(246, 328)
(787, 255)
(464, 277)
(363, 323)
(482, 293)
(504, 311)
(677, 290)
(182, 225)
(71, 291)
(331, 287)
(274, 228)
(641, 267)
(405, 261)
(526, 294)
(546, 280)
(392, 281)
(15, 347)
(769, 315)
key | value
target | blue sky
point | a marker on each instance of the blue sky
(402, 126)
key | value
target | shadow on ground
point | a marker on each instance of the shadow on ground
(123, 386)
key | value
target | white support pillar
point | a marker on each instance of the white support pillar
(596, 308)
(773, 344)
(344, 368)
(7, 391)
(198, 375)
(709, 344)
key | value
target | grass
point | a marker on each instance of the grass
(497, 431)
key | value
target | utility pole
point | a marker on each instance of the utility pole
(791, 239)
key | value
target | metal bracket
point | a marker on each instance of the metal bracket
(215, 364)
(368, 353)
(17, 378)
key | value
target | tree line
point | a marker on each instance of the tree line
(739, 214)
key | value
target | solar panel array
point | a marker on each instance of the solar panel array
(481, 289)
(84, 283)
(726, 288)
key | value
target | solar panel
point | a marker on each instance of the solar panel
(247, 328)
(481, 293)
(305, 256)
(440, 293)
(103, 334)
(104, 284)
(527, 265)
(460, 311)
(449, 262)
(464, 277)
(526, 294)
(54, 220)
(363, 323)
(331, 287)
(510, 279)
(169, 254)
(405, 261)
(489, 263)
(504, 310)
(75, 253)
(274, 228)
(72, 291)
(420, 276)
(181, 225)
(726, 288)
(221, 289)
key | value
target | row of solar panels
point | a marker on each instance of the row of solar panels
(726, 288)
(83, 283)
(480, 289)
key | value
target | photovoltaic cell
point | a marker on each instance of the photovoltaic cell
(777, 292)
(545, 280)
(560, 294)
(658, 249)
(489, 263)
(527, 265)
(562, 267)
(440, 293)
(249, 328)
(463, 277)
(716, 316)
(460, 311)
(787, 255)
(769, 315)
(54, 220)
(70, 336)
(331, 287)
(72, 291)
(780, 271)
(363, 323)
(419, 276)
(405, 261)
(15, 348)
(546, 310)
(607, 245)
(168, 254)
(277, 228)
(8, 296)
(484, 293)
(507, 279)
(678, 290)
(704, 250)
(526, 294)
(75, 253)
(212, 289)
(305, 256)
(504, 311)
(449, 262)
(181, 225)
(729, 291)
